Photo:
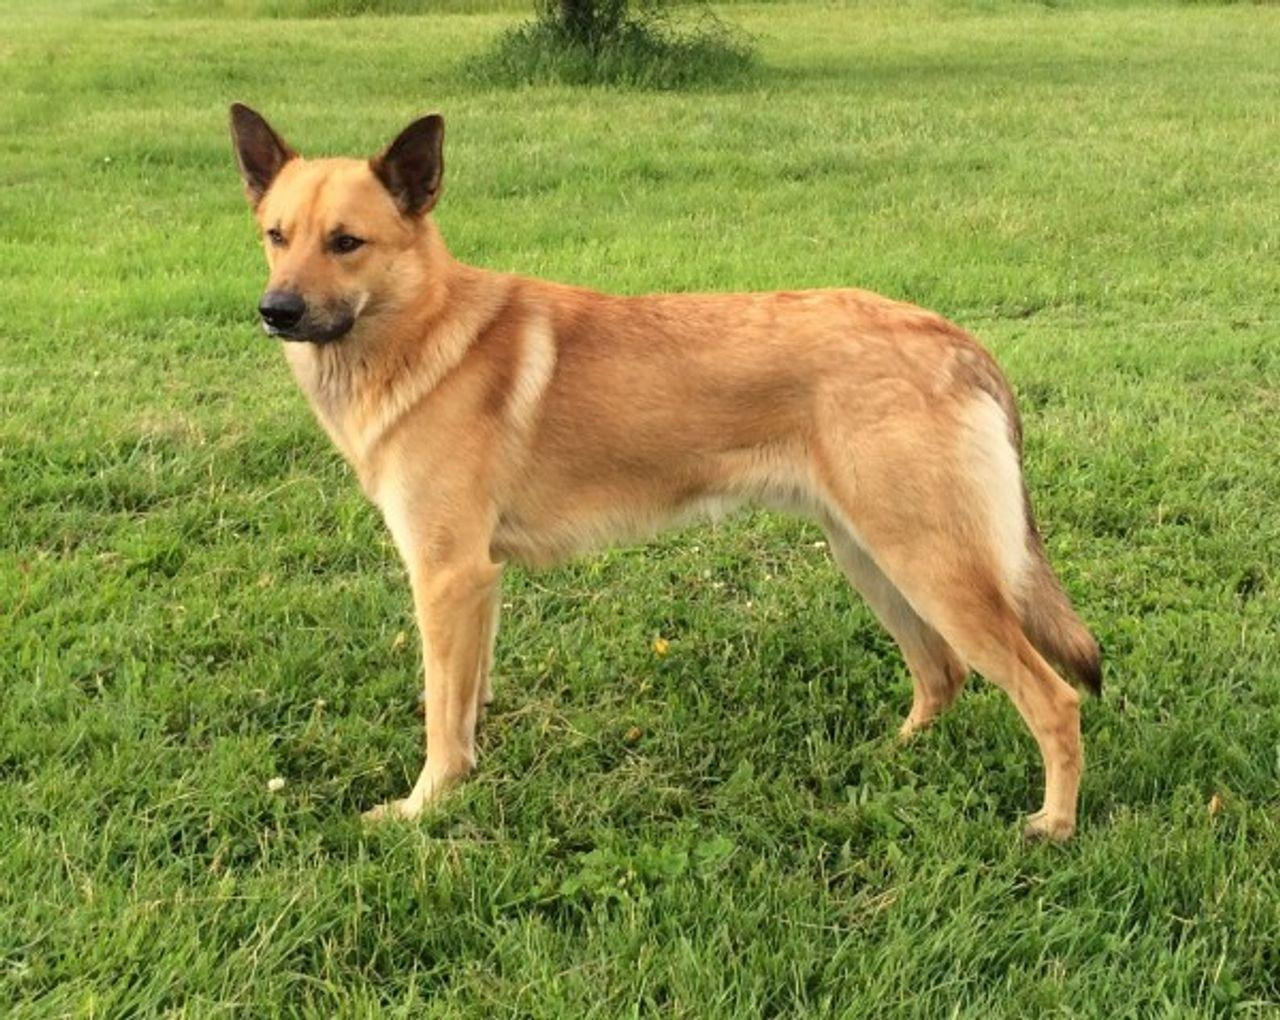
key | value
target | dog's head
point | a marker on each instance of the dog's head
(336, 231)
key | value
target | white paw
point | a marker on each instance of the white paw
(912, 725)
(1041, 826)
(391, 809)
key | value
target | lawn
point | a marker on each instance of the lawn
(195, 598)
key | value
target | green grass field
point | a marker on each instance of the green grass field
(195, 598)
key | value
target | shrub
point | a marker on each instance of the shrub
(618, 42)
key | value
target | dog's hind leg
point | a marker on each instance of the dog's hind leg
(937, 675)
(936, 502)
(965, 604)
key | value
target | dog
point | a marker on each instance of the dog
(495, 418)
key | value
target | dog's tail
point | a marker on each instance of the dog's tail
(1050, 621)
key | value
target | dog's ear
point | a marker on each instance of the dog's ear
(259, 151)
(412, 168)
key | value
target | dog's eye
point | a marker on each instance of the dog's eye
(344, 243)
(275, 237)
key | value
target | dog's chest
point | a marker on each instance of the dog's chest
(323, 381)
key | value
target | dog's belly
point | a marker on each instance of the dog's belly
(544, 537)
(553, 519)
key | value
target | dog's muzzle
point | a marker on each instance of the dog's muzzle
(281, 311)
(286, 315)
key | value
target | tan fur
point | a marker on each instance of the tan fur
(494, 418)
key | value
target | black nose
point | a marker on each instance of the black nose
(281, 309)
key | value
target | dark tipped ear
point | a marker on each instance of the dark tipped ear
(412, 168)
(259, 151)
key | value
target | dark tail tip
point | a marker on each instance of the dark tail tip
(1089, 673)
(1080, 657)
(1051, 622)
(1060, 636)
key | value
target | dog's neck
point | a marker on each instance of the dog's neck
(361, 385)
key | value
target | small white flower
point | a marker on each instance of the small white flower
(276, 784)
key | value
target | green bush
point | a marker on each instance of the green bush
(618, 42)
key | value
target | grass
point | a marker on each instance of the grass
(194, 597)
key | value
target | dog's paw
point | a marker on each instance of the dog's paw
(433, 783)
(910, 728)
(1056, 830)
(390, 810)
(915, 722)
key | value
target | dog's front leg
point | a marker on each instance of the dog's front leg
(454, 604)
(486, 652)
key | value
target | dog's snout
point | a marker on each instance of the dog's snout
(281, 309)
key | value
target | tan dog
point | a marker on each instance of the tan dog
(491, 417)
